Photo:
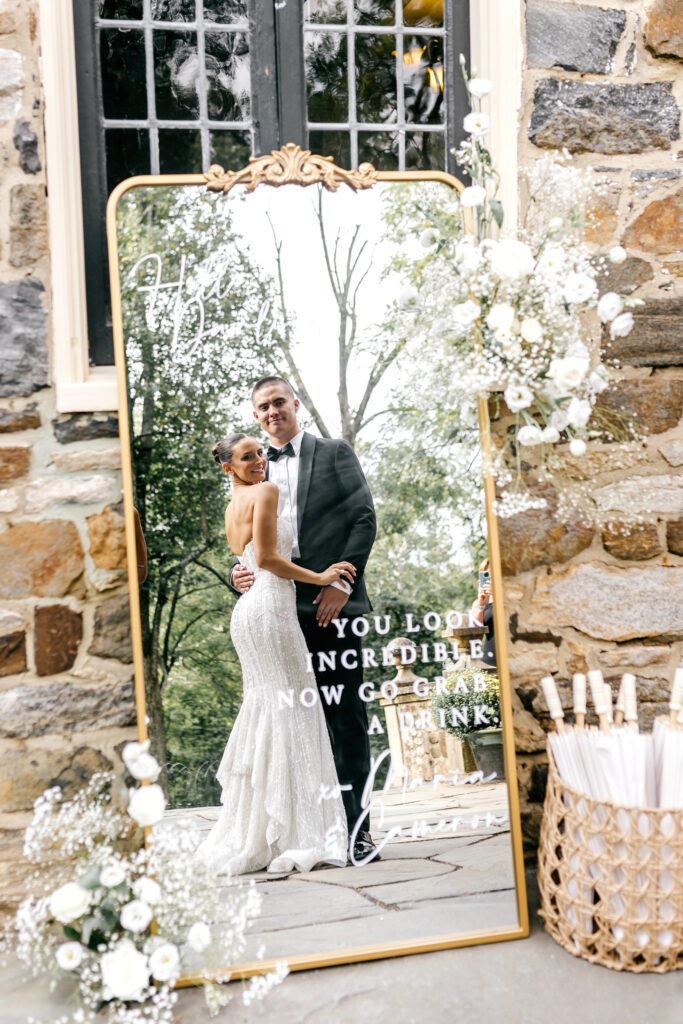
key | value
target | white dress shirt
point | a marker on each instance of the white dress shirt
(285, 474)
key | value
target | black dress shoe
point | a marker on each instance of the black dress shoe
(364, 850)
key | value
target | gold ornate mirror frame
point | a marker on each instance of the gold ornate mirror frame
(293, 165)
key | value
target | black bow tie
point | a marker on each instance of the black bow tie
(273, 454)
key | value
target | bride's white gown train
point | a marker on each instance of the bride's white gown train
(281, 808)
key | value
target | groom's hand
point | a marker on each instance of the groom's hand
(242, 578)
(330, 602)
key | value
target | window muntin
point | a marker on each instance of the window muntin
(375, 76)
(175, 84)
(169, 86)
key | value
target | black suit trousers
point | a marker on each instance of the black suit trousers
(347, 721)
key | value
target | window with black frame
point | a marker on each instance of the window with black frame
(170, 86)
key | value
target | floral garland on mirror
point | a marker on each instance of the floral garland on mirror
(523, 315)
(126, 920)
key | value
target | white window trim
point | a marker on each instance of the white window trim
(79, 387)
(497, 53)
(496, 48)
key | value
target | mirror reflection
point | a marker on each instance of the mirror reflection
(317, 620)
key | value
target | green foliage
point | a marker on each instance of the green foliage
(467, 690)
(193, 352)
(190, 299)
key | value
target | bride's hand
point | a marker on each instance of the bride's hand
(342, 572)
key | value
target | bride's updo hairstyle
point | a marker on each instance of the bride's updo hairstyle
(224, 450)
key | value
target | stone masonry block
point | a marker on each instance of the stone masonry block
(604, 118)
(23, 337)
(572, 36)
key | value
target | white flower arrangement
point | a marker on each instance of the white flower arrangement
(523, 311)
(134, 916)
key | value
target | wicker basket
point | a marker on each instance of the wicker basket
(611, 880)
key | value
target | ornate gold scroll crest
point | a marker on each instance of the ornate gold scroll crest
(290, 165)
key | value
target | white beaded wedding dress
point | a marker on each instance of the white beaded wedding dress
(281, 807)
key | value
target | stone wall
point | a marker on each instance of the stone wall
(605, 80)
(66, 692)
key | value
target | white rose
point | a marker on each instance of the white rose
(517, 397)
(511, 260)
(558, 419)
(609, 306)
(164, 962)
(476, 124)
(69, 955)
(125, 972)
(69, 902)
(568, 373)
(146, 805)
(132, 751)
(598, 381)
(429, 238)
(578, 350)
(112, 876)
(531, 330)
(579, 288)
(530, 435)
(577, 446)
(479, 87)
(473, 195)
(467, 313)
(407, 296)
(441, 327)
(617, 254)
(147, 889)
(467, 255)
(500, 317)
(135, 916)
(552, 260)
(579, 412)
(145, 767)
(621, 325)
(199, 936)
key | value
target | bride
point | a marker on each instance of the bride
(281, 804)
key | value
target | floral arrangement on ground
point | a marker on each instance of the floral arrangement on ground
(124, 919)
(520, 319)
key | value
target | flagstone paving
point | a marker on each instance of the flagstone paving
(531, 981)
(439, 883)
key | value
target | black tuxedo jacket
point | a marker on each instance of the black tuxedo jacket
(336, 519)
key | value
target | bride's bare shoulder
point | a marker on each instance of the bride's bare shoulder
(266, 492)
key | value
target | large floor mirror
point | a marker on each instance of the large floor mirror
(338, 283)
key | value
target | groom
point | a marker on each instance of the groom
(326, 499)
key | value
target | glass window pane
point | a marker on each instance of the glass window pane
(127, 153)
(180, 151)
(375, 78)
(380, 149)
(122, 54)
(325, 12)
(173, 10)
(230, 149)
(228, 12)
(227, 75)
(423, 13)
(120, 9)
(334, 144)
(374, 12)
(423, 80)
(425, 151)
(326, 79)
(176, 68)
